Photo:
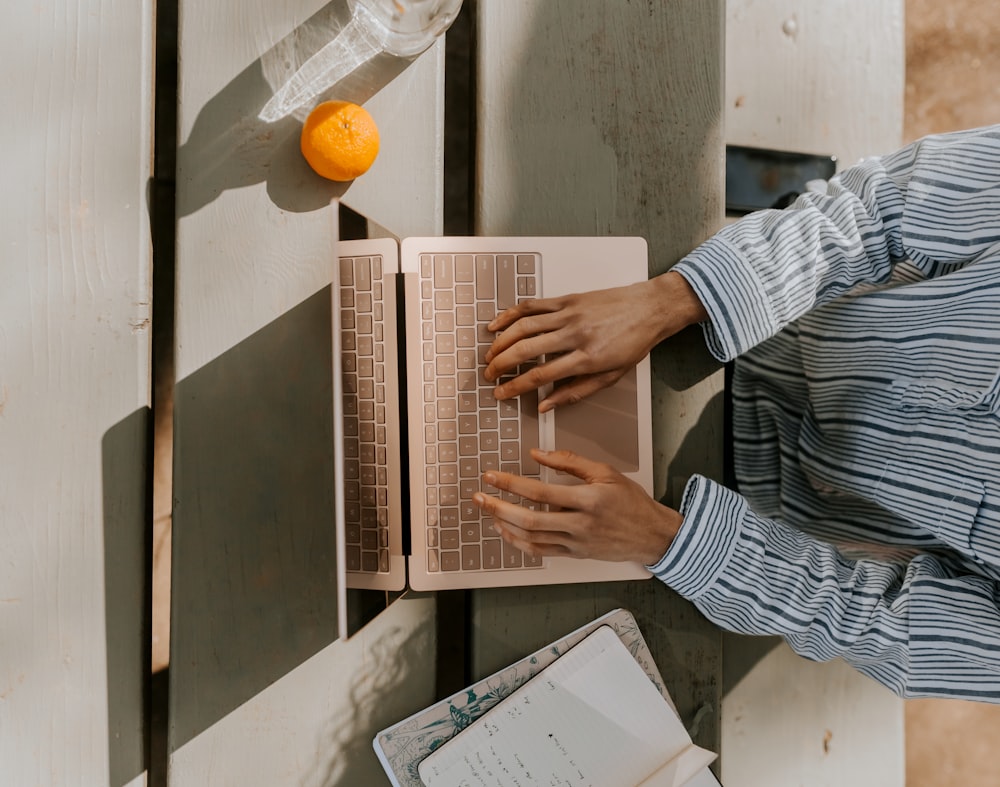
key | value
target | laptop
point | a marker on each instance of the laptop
(420, 423)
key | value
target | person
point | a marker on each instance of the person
(865, 324)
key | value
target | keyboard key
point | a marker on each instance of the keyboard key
(485, 278)
(346, 272)
(506, 282)
(511, 556)
(465, 294)
(492, 556)
(444, 275)
(363, 274)
(464, 268)
(470, 557)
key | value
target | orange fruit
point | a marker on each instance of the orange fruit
(339, 140)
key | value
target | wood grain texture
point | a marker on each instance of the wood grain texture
(253, 636)
(74, 390)
(816, 77)
(800, 722)
(605, 118)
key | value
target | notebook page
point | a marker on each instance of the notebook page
(690, 768)
(593, 717)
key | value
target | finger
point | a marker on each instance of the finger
(525, 326)
(526, 525)
(553, 495)
(529, 526)
(585, 469)
(525, 308)
(577, 389)
(501, 361)
(559, 368)
(531, 543)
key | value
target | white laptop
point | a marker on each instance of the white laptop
(420, 424)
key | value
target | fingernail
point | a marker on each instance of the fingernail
(479, 499)
(544, 406)
(490, 478)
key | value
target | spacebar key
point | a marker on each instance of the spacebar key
(528, 404)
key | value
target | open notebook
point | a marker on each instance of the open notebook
(446, 731)
(420, 424)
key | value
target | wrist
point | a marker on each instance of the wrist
(680, 306)
(662, 534)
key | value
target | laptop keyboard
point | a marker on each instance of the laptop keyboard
(467, 431)
(366, 489)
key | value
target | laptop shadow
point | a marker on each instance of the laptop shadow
(254, 544)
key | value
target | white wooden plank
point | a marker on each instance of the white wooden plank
(255, 241)
(605, 118)
(824, 78)
(253, 232)
(816, 77)
(314, 727)
(790, 722)
(74, 388)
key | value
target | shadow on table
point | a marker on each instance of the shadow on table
(347, 756)
(229, 147)
(254, 548)
(125, 474)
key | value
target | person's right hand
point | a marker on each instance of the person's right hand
(589, 339)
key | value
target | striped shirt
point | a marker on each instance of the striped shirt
(866, 422)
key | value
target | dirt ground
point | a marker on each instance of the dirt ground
(952, 82)
(952, 65)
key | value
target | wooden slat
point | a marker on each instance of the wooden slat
(74, 391)
(604, 118)
(260, 689)
(824, 78)
(816, 77)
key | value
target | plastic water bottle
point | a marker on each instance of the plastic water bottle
(403, 28)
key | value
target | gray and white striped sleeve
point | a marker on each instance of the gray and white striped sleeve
(922, 628)
(935, 203)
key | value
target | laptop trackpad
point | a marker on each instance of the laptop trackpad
(604, 426)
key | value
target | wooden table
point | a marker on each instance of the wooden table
(258, 686)
(590, 119)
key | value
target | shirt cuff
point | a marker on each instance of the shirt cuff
(707, 539)
(740, 314)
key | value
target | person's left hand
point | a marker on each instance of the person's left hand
(608, 517)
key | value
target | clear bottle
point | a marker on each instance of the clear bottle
(403, 28)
